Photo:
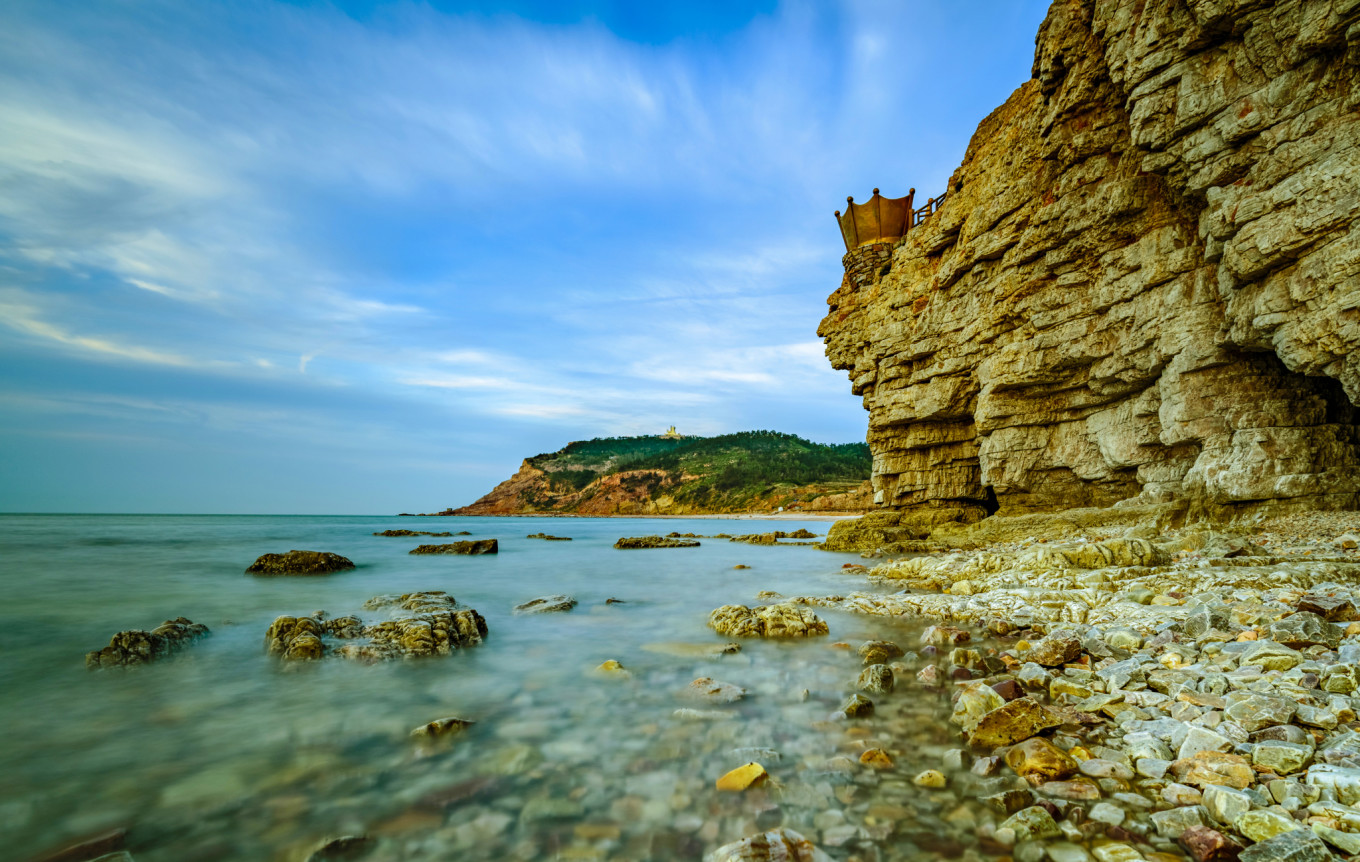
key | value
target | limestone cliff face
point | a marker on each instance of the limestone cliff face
(1145, 284)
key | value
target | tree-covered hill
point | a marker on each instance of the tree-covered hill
(746, 471)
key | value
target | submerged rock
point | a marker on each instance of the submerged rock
(299, 563)
(767, 621)
(344, 849)
(135, 646)
(708, 690)
(743, 777)
(441, 728)
(546, 605)
(634, 542)
(778, 845)
(410, 533)
(478, 546)
(548, 538)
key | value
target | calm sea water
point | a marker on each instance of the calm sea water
(222, 753)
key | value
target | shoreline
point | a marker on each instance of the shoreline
(741, 516)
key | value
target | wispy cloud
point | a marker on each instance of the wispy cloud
(528, 231)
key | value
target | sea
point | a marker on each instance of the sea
(222, 752)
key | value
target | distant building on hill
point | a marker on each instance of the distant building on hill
(672, 434)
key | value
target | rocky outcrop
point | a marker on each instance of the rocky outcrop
(635, 542)
(415, 533)
(472, 548)
(1144, 287)
(135, 646)
(421, 624)
(299, 563)
(767, 621)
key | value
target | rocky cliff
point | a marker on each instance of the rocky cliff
(1144, 287)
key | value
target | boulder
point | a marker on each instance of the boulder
(1015, 721)
(478, 546)
(135, 646)
(876, 679)
(299, 563)
(1056, 649)
(1304, 629)
(767, 621)
(1039, 757)
(879, 652)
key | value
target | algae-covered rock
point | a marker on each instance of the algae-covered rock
(472, 548)
(299, 563)
(423, 624)
(135, 646)
(636, 542)
(768, 621)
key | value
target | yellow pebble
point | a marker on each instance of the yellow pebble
(930, 778)
(876, 758)
(750, 775)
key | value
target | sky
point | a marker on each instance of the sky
(364, 257)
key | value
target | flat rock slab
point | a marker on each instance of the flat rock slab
(689, 650)
(634, 542)
(299, 563)
(477, 546)
(548, 538)
(413, 533)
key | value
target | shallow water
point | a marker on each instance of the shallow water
(222, 753)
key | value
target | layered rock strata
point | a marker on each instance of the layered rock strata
(1144, 287)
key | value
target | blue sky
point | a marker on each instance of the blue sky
(364, 257)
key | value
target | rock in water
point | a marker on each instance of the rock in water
(634, 542)
(135, 646)
(779, 845)
(743, 777)
(299, 563)
(423, 624)
(479, 546)
(768, 621)
(393, 533)
(546, 605)
(441, 728)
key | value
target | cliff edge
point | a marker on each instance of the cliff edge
(1144, 287)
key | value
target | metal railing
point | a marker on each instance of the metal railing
(883, 219)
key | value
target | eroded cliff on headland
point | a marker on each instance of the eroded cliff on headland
(1144, 287)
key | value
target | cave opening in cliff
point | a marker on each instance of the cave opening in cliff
(989, 501)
